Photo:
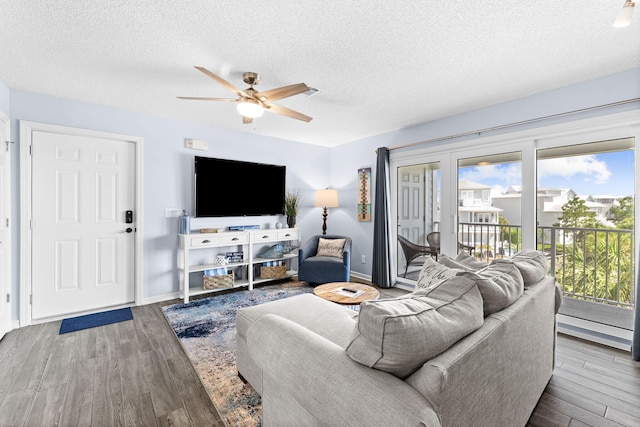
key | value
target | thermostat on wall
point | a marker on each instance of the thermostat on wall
(196, 144)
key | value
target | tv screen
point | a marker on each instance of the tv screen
(236, 188)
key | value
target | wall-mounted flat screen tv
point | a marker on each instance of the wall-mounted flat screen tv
(236, 188)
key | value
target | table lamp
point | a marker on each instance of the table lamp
(326, 199)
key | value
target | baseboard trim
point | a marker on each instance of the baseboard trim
(361, 276)
(591, 331)
(161, 298)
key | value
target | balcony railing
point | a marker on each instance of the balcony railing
(589, 264)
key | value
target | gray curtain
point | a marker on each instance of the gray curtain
(635, 345)
(383, 273)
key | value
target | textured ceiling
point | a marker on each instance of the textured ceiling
(379, 65)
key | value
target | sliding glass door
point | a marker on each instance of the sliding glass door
(568, 192)
(586, 223)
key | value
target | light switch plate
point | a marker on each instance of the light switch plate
(171, 212)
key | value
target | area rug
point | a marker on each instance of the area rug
(206, 329)
(94, 320)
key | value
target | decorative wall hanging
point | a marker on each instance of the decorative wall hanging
(364, 194)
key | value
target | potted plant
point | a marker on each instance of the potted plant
(291, 205)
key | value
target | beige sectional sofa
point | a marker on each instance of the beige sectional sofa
(441, 356)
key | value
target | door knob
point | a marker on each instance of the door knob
(128, 230)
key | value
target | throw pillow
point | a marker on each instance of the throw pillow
(470, 261)
(467, 263)
(531, 263)
(500, 285)
(331, 247)
(433, 272)
(399, 335)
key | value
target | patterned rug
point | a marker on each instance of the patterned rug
(206, 329)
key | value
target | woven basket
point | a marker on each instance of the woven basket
(273, 272)
(218, 282)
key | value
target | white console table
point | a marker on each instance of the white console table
(250, 242)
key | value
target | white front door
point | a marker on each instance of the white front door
(82, 243)
(5, 230)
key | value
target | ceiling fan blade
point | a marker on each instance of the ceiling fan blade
(222, 81)
(282, 92)
(197, 98)
(287, 112)
(247, 120)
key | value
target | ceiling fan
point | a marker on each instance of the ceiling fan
(251, 103)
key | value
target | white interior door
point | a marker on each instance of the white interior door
(5, 230)
(411, 216)
(82, 245)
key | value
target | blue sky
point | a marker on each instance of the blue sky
(596, 174)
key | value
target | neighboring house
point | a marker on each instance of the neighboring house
(601, 210)
(474, 203)
(549, 204)
(475, 213)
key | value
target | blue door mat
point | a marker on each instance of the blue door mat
(94, 320)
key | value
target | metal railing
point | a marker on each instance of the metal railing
(489, 241)
(589, 264)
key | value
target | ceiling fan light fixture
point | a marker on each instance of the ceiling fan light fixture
(250, 108)
(625, 15)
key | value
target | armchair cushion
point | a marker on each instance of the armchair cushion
(399, 335)
(330, 247)
(315, 268)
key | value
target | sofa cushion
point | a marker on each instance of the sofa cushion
(463, 261)
(433, 272)
(531, 263)
(327, 319)
(499, 283)
(398, 335)
(330, 247)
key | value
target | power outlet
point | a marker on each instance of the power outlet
(364, 259)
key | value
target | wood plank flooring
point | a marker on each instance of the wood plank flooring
(131, 373)
(136, 374)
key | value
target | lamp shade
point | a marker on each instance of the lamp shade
(327, 198)
(250, 108)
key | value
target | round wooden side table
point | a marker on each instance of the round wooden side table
(334, 292)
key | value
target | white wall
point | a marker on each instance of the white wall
(168, 173)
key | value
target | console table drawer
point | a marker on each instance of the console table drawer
(204, 241)
(288, 234)
(234, 238)
(266, 236)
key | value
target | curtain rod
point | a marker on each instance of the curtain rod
(524, 122)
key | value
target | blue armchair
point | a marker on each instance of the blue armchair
(324, 269)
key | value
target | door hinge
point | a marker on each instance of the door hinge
(30, 150)
(7, 145)
(8, 297)
(31, 299)
(7, 222)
